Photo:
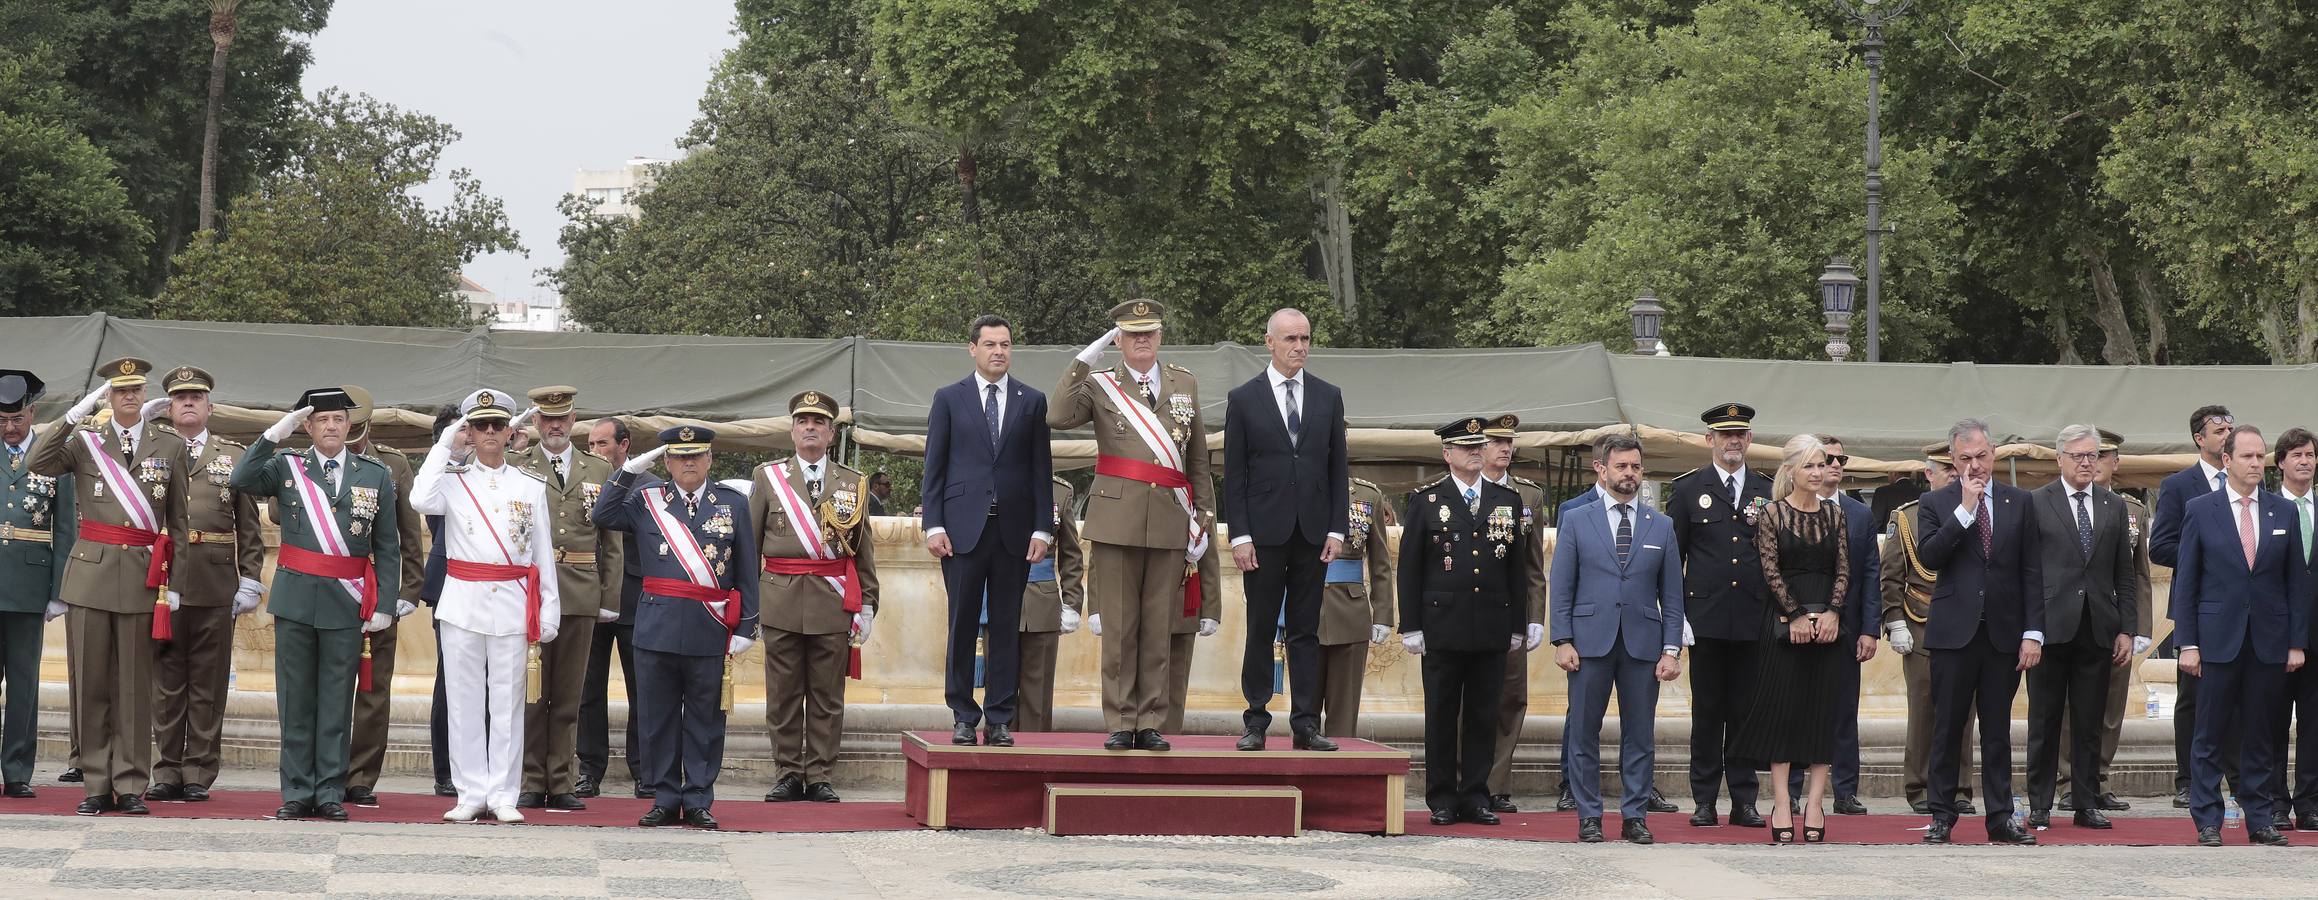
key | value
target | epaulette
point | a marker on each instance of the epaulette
(165, 427)
(594, 454)
(287, 451)
(383, 451)
(228, 442)
(536, 475)
(1363, 482)
(1902, 506)
(1526, 481)
(2121, 495)
(365, 457)
(1687, 474)
(1059, 480)
(1437, 481)
(1177, 368)
(835, 466)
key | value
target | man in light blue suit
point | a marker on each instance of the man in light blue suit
(1616, 611)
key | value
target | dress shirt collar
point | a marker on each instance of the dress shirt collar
(1273, 373)
(1462, 487)
(2236, 498)
(1150, 376)
(2292, 497)
(2206, 470)
(982, 385)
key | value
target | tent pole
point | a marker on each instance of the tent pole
(2014, 464)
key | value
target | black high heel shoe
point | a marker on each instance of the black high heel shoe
(1783, 835)
(1814, 835)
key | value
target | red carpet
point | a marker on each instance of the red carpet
(742, 814)
(1675, 828)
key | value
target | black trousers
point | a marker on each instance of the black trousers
(2185, 733)
(2072, 681)
(680, 726)
(1461, 693)
(1290, 573)
(1722, 678)
(2302, 692)
(20, 676)
(987, 577)
(595, 713)
(1983, 678)
(439, 721)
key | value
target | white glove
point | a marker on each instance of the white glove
(2140, 644)
(55, 608)
(281, 430)
(88, 404)
(1902, 641)
(737, 645)
(1207, 627)
(1094, 352)
(1536, 637)
(861, 622)
(152, 408)
(607, 616)
(175, 600)
(246, 599)
(1377, 633)
(403, 608)
(642, 462)
(1688, 637)
(1413, 642)
(547, 630)
(1514, 645)
(1070, 620)
(1095, 623)
(522, 418)
(379, 621)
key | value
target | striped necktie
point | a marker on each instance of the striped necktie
(1625, 534)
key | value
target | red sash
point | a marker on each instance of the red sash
(828, 568)
(1161, 476)
(156, 574)
(345, 568)
(670, 587)
(529, 575)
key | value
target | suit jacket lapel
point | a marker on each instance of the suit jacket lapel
(1011, 422)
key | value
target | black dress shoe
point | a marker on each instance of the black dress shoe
(1849, 806)
(2303, 822)
(1746, 817)
(658, 816)
(20, 790)
(587, 787)
(1657, 803)
(1312, 740)
(2267, 837)
(643, 791)
(1149, 739)
(531, 800)
(565, 803)
(131, 805)
(1635, 832)
(788, 788)
(699, 818)
(2092, 818)
(361, 796)
(1252, 740)
(2110, 802)
(69, 776)
(2209, 837)
(2067, 803)
(1590, 830)
(1440, 817)
(194, 793)
(820, 792)
(94, 806)
(335, 812)
(444, 789)
(293, 809)
(1964, 807)
(164, 792)
(1481, 817)
(1921, 807)
(1938, 833)
(2181, 800)
(1502, 803)
(1704, 818)
(2004, 832)
(998, 736)
(1564, 799)
(1120, 740)
(2039, 819)
(963, 735)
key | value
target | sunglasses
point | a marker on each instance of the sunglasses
(490, 425)
(1838, 459)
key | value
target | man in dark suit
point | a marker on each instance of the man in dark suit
(1286, 496)
(1987, 624)
(2089, 625)
(2209, 428)
(2296, 456)
(1616, 618)
(612, 640)
(2241, 620)
(988, 495)
(1463, 564)
(1714, 509)
(1860, 527)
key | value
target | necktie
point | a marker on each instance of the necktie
(1730, 488)
(1295, 415)
(990, 412)
(2246, 528)
(560, 472)
(813, 483)
(2302, 507)
(2217, 479)
(1987, 529)
(1150, 395)
(128, 447)
(1472, 501)
(330, 471)
(1625, 535)
(15, 459)
(2084, 525)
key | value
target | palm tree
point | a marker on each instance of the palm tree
(221, 32)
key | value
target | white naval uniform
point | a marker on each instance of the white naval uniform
(482, 623)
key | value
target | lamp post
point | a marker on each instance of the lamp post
(1647, 314)
(1874, 14)
(1836, 289)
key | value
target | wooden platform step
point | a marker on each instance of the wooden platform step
(1225, 810)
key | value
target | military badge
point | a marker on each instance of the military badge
(589, 490)
(40, 485)
(520, 518)
(719, 522)
(160, 491)
(1755, 510)
(97, 488)
(1501, 551)
(1705, 501)
(1363, 514)
(1501, 523)
(1444, 511)
(845, 501)
(364, 502)
(357, 527)
(1526, 516)
(219, 470)
(153, 470)
(1179, 406)
(663, 548)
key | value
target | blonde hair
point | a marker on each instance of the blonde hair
(1798, 454)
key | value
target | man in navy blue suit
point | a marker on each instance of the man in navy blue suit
(1987, 624)
(2209, 428)
(2241, 621)
(1287, 496)
(1859, 527)
(988, 486)
(1616, 612)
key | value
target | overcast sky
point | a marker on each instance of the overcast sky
(538, 89)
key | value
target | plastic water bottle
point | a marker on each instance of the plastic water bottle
(2152, 701)
(2020, 812)
(2235, 817)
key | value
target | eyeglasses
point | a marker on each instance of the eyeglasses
(2081, 458)
(489, 425)
(1838, 459)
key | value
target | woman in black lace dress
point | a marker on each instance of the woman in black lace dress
(1791, 720)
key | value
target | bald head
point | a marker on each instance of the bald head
(1289, 337)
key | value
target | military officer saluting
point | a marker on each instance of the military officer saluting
(697, 612)
(587, 572)
(130, 477)
(819, 593)
(1714, 509)
(1052, 604)
(340, 553)
(36, 529)
(218, 580)
(1356, 608)
(1150, 520)
(373, 705)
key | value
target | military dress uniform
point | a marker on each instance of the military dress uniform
(1463, 570)
(819, 569)
(1141, 531)
(1907, 598)
(684, 629)
(112, 583)
(1513, 703)
(1057, 583)
(374, 708)
(36, 532)
(340, 554)
(1356, 601)
(1724, 595)
(588, 582)
(223, 555)
(1183, 633)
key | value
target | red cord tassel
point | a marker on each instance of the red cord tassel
(362, 680)
(853, 663)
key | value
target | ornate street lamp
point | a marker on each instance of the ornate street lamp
(1836, 289)
(1647, 314)
(1874, 14)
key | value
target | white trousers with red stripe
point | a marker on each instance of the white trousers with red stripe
(483, 685)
